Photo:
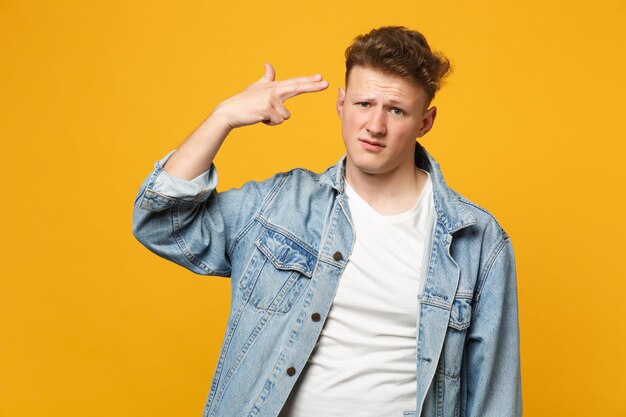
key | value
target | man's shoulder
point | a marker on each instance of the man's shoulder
(303, 175)
(295, 182)
(486, 221)
(301, 181)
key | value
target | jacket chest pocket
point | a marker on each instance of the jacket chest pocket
(278, 273)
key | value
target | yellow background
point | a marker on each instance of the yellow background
(530, 126)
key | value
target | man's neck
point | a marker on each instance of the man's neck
(390, 193)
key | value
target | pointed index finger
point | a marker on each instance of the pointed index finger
(288, 91)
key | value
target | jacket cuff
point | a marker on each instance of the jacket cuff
(164, 190)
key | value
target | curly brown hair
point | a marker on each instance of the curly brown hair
(399, 51)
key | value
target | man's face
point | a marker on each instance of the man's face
(381, 116)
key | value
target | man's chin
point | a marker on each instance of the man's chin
(366, 167)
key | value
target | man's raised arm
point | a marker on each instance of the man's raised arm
(178, 214)
(262, 101)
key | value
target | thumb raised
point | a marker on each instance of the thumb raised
(270, 74)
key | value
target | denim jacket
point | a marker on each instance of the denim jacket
(285, 242)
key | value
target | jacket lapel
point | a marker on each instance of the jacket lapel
(442, 278)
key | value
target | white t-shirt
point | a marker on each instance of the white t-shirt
(365, 360)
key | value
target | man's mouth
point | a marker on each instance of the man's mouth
(372, 142)
(371, 145)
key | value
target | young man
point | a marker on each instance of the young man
(371, 289)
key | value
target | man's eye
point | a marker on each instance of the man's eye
(363, 104)
(397, 111)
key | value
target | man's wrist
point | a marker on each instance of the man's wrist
(218, 120)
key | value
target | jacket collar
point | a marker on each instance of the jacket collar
(451, 212)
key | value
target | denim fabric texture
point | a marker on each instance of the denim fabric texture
(285, 242)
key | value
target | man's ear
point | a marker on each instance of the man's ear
(427, 121)
(340, 99)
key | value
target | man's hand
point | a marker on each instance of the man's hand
(263, 100)
(260, 102)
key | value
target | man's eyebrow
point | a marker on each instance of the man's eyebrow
(372, 98)
(399, 102)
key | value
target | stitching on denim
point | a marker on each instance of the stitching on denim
(490, 262)
(465, 295)
(435, 303)
(287, 234)
(246, 347)
(327, 227)
(225, 347)
(471, 203)
(331, 233)
(266, 201)
(278, 300)
(185, 250)
(281, 265)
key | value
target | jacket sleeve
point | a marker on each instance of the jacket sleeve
(494, 386)
(188, 222)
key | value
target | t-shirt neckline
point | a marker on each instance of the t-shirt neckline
(391, 218)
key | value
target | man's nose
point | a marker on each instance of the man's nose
(376, 123)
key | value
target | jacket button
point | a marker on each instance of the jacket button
(291, 371)
(337, 256)
(315, 316)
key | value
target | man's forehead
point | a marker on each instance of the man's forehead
(369, 83)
